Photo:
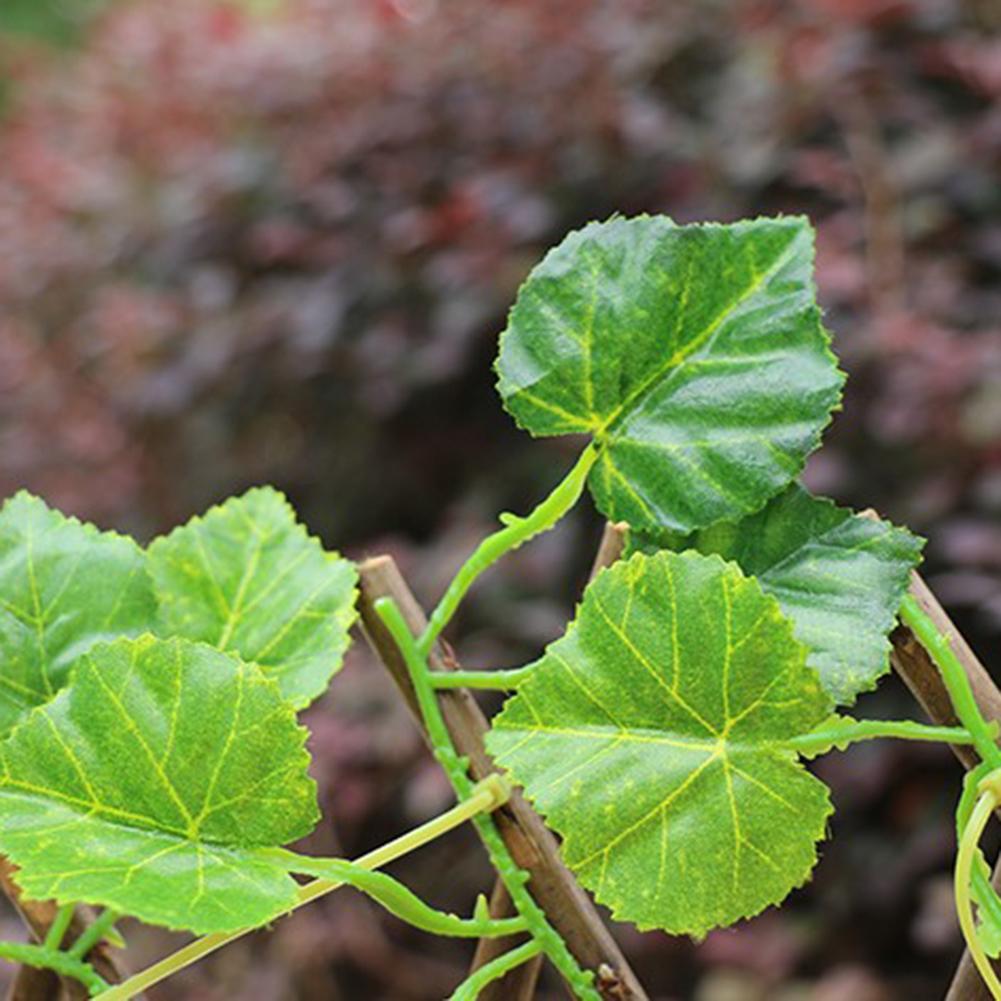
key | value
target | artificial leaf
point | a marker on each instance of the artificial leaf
(694, 355)
(50, 609)
(158, 783)
(652, 737)
(246, 577)
(839, 576)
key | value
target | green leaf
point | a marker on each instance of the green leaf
(652, 738)
(51, 609)
(694, 355)
(157, 783)
(839, 576)
(246, 577)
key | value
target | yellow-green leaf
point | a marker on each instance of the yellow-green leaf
(839, 576)
(64, 586)
(158, 783)
(653, 738)
(247, 578)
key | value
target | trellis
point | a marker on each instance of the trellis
(531, 844)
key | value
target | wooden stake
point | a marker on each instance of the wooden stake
(531, 844)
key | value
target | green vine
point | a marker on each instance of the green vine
(666, 730)
(542, 932)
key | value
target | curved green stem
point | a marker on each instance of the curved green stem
(984, 894)
(399, 900)
(516, 531)
(487, 796)
(985, 806)
(470, 988)
(43, 958)
(57, 930)
(501, 681)
(955, 679)
(513, 876)
(849, 731)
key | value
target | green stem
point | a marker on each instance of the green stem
(398, 900)
(57, 930)
(955, 679)
(514, 878)
(93, 933)
(516, 531)
(43, 958)
(965, 857)
(470, 988)
(487, 796)
(502, 681)
(849, 731)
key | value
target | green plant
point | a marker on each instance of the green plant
(663, 736)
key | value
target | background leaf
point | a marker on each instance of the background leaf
(247, 577)
(51, 609)
(839, 576)
(154, 784)
(693, 354)
(651, 738)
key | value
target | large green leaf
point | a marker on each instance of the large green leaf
(839, 576)
(155, 783)
(652, 737)
(63, 587)
(247, 578)
(694, 355)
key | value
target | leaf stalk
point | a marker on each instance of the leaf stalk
(470, 988)
(486, 796)
(850, 731)
(57, 930)
(499, 681)
(399, 900)
(517, 530)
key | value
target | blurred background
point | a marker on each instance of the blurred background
(275, 240)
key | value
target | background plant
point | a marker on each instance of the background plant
(875, 118)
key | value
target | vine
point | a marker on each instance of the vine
(669, 728)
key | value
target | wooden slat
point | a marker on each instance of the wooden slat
(533, 847)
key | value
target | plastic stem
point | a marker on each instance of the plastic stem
(513, 876)
(93, 934)
(487, 796)
(986, 805)
(57, 930)
(399, 900)
(470, 988)
(516, 531)
(955, 679)
(43, 958)
(502, 681)
(852, 730)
